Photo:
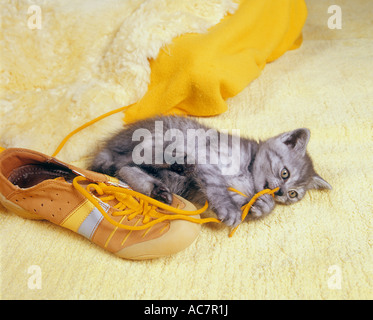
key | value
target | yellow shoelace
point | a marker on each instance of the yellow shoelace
(129, 206)
(146, 206)
(245, 208)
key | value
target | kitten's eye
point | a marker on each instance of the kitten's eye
(292, 194)
(285, 174)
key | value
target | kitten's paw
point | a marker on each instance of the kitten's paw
(262, 206)
(230, 217)
(161, 193)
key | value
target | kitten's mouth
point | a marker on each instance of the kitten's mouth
(277, 194)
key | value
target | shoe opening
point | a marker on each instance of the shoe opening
(30, 175)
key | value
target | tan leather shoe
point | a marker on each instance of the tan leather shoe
(101, 208)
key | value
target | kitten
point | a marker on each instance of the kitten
(160, 156)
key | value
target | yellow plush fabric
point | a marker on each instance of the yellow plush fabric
(91, 56)
(198, 72)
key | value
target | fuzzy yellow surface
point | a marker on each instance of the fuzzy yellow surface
(59, 77)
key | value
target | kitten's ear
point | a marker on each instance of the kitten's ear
(319, 183)
(297, 139)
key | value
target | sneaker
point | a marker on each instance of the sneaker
(101, 208)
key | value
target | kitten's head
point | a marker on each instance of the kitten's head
(283, 162)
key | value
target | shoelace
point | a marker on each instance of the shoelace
(245, 208)
(146, 205)
(128, 205)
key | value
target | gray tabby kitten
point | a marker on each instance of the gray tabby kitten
(159, 156)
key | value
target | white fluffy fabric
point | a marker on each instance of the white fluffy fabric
(89, 57)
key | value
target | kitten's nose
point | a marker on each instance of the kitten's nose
(279, 193)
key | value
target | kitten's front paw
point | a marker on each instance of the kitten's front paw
(262, 206)
(161, 193)
(230, 217)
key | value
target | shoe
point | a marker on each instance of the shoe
(101, 208)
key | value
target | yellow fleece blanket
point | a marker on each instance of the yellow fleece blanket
(90, 57)
(198, 72)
